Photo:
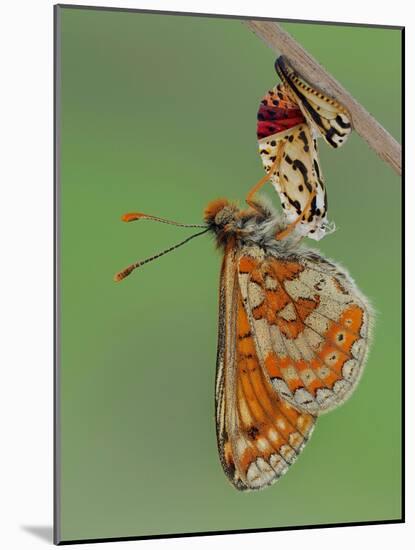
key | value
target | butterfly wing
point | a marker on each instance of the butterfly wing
(328, 117)
(259, 434)
(225, 367)
(298, 176)
(311, 325)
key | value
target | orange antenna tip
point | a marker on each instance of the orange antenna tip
(131, 216)
(123, 274)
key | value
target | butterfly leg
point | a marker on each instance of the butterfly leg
(249, 198)
(290, 228)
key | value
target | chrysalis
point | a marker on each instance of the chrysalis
(290, 118)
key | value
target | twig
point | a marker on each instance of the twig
(363, 122)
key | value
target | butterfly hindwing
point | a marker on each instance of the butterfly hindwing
(311, 326)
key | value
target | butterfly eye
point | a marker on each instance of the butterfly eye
(225, 216)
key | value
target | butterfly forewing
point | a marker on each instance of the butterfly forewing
(259, 434)
(225, 398)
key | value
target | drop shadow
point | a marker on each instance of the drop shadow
(44, 532)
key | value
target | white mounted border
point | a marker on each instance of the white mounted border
(27, 270)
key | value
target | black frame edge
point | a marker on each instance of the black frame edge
(228, 16)
(403, 265)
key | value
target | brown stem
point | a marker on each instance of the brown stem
(363, 122)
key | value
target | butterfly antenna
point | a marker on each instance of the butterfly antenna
(125, 272)
(133, 216)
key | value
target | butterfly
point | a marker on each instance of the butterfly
(290, 118)
(293, 337)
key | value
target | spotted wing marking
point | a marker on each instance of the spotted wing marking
(311, 328)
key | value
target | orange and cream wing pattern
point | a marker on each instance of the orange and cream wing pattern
(311, 327)
(259, 434)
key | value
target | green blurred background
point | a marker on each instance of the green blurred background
(158, 114)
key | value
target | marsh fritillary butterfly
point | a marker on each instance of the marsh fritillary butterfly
(293, 338)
